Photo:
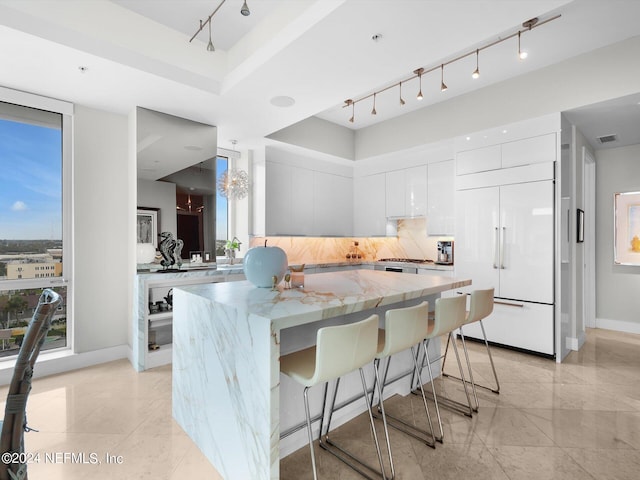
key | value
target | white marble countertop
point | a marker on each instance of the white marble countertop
(325, 295)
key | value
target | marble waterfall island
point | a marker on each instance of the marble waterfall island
(228, 338)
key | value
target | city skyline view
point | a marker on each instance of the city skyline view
(31, 181)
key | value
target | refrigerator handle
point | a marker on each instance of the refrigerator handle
(502, 246)
(496, 248)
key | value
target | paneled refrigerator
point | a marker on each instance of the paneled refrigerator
(505, 240)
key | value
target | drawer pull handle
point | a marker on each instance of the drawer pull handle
(518, 305)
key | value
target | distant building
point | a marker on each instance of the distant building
(33, 268)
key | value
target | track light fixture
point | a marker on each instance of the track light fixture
(476, 72)
(419, 72)
(521, 53)
(210, 48)
(443, 86)
(353, 109)
(245, 9)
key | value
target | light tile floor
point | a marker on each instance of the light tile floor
(576, 420)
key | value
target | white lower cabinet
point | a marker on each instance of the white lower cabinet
(523, 325)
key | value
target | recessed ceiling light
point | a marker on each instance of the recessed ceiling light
(193, 148)
(282, 101)
(83, 69)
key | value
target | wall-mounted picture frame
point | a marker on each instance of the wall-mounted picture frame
(580, 226)
(148, 225)
(626, 234)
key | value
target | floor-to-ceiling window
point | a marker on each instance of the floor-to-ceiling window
(32, 222)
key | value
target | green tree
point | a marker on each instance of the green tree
(14, 305)
(3, 269)
(4, 312)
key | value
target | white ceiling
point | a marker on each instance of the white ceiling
(319, 52)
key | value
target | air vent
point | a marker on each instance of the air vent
(608, 138)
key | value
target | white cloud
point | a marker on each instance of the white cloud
(19, 206)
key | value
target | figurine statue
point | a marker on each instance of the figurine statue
(171, 250)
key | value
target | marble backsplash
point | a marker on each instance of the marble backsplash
(411, 242)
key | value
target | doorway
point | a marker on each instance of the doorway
(589, 257)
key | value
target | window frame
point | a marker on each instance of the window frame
(66, 110)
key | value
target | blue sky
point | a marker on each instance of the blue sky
(30, 182)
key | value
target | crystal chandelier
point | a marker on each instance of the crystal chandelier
(233, 184)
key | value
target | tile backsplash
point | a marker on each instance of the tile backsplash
(411, 242)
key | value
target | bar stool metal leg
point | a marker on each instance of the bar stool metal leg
(349, 459)
(473, 384)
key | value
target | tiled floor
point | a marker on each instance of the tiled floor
(576, 420)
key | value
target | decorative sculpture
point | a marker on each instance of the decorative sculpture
(171, 250)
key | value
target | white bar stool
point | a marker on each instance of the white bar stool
(339, 350)
(405, 328)
(481, 306)
(450, 314)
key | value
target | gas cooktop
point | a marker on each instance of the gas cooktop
(406, 260)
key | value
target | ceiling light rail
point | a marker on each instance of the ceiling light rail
(244, 10)
(420, 72)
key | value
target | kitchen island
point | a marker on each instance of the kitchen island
(228, 338)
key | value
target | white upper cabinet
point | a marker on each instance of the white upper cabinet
(530, 150)
(406, 192)
(300, 201)
(278, 180)
(369, 205)
(415, 194)
(440, 198)
(332, 204)
(478, 160)
(395, 193)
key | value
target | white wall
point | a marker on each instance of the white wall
(102, 186)
(160, 195)
(617, 286)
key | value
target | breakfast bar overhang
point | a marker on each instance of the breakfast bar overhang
(228, 338)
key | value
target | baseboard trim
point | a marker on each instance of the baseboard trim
(618, 325)
(60, 362)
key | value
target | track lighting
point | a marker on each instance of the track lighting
(419, 72)
(476, 72)
(210, 48)
(245, 9)
(443, 86)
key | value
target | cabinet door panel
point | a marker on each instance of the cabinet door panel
(478, 160)
(333, 207)
(530, 150)
(278, 199)
(440, 198)
(477, 223)
(415, 204)
(527, 241)
(521, 324)
(369, 205)
(395, 189)
(302, 201)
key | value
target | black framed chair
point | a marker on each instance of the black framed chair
(15, 417)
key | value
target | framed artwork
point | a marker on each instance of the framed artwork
(148, 225)
(580, 225)
(626, 235)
